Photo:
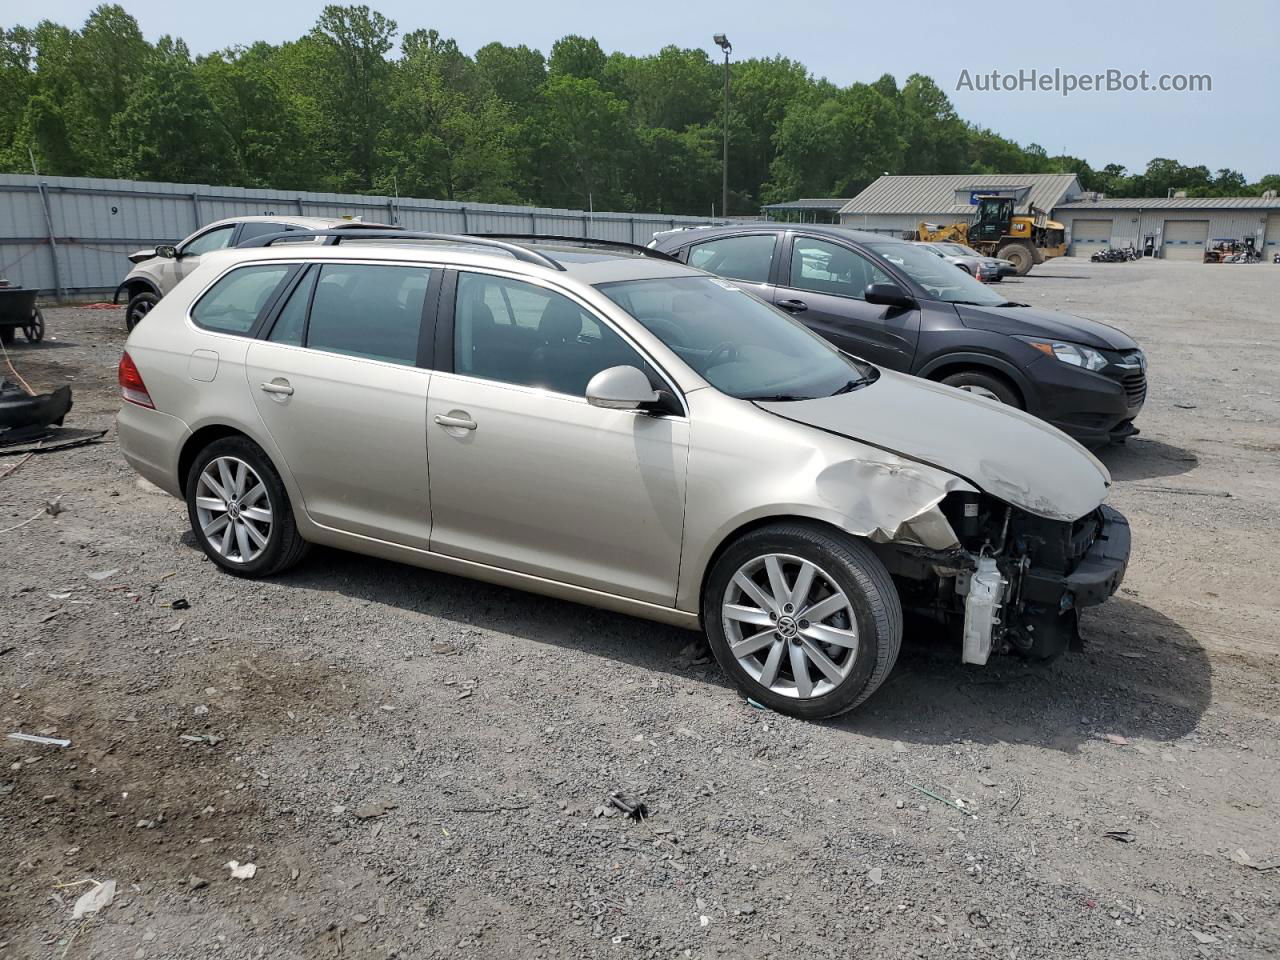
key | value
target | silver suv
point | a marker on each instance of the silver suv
(158, 269)
(612, 427)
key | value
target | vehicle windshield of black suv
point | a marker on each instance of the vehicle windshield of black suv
(740, 345)
(941, 279)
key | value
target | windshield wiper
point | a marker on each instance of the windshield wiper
(853, 385)
(777, 398)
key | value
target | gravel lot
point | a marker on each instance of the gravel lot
(417, 765)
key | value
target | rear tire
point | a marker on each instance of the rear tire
(989, 385)
(1019, 256)
(261, 547)
(140, 305)
(858, 631)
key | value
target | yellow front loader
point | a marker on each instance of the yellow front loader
(996, 232)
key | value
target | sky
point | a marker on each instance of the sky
(1236, 124)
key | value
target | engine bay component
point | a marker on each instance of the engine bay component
(984, 592)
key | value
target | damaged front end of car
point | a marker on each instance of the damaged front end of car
(1009, 581)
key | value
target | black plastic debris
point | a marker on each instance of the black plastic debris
(24, 417)
(636, 811)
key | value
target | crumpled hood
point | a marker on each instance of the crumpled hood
(1002, 451)
(1034, 322)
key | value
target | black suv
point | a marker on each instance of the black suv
(897, 305)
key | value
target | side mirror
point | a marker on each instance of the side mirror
(167, 251)
(887, 295)
(620, 388)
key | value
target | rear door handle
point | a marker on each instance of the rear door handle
(281, 388)
(793, 306)
(457, 423)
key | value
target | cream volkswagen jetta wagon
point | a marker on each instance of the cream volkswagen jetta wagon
(606, 425)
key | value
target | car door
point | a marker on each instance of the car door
(340, 381)
(188, 258)
(525, 474)
(823, 284)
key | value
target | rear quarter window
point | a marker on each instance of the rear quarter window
(236, 301)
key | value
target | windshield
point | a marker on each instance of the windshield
(738, 344)
(940, 279)
(959, 250)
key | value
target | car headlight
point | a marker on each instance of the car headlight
(1072, 353)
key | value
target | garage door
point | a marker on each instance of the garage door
(1271, 242)
(1184, 239)
(1089, 236)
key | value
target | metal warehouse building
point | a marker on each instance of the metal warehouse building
(898, 204)
(1175, 228)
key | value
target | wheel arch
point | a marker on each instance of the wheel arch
(204, 436)
(132, 286)
(755, 523)
(939, 368)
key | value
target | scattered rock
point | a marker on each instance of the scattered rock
(372, 808)
(197, 883)
(876, 876)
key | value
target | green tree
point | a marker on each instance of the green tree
(575, 56)
(580, 136)
(935, 135)
(513, 73)
(350, 46)
(263, 124)
(449, 134)
(169, 129)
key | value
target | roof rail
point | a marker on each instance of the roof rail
(334, 237)
(585, 241)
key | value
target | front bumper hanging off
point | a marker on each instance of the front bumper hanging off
(1096, 577)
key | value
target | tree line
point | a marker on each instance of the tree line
(355, 106)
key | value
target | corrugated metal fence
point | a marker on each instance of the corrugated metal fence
(71, 234)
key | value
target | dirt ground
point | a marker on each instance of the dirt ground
(416, 764)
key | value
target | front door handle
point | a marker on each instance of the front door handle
(283, 389)
(793, 306)
(456, 423)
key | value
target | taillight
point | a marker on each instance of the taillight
(131, 386)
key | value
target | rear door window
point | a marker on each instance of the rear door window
(366, 310)
(256, 228)
(234, 303)
(738, 258)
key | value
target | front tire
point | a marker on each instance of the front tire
(240, 511)
(1019, 256)
(985, 384)
(803, 619)
(140, 305)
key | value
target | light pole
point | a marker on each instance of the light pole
(727, 47)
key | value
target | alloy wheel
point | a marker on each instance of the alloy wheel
(234, 509)
(980, 391)
(137, 312)
(790, 626)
